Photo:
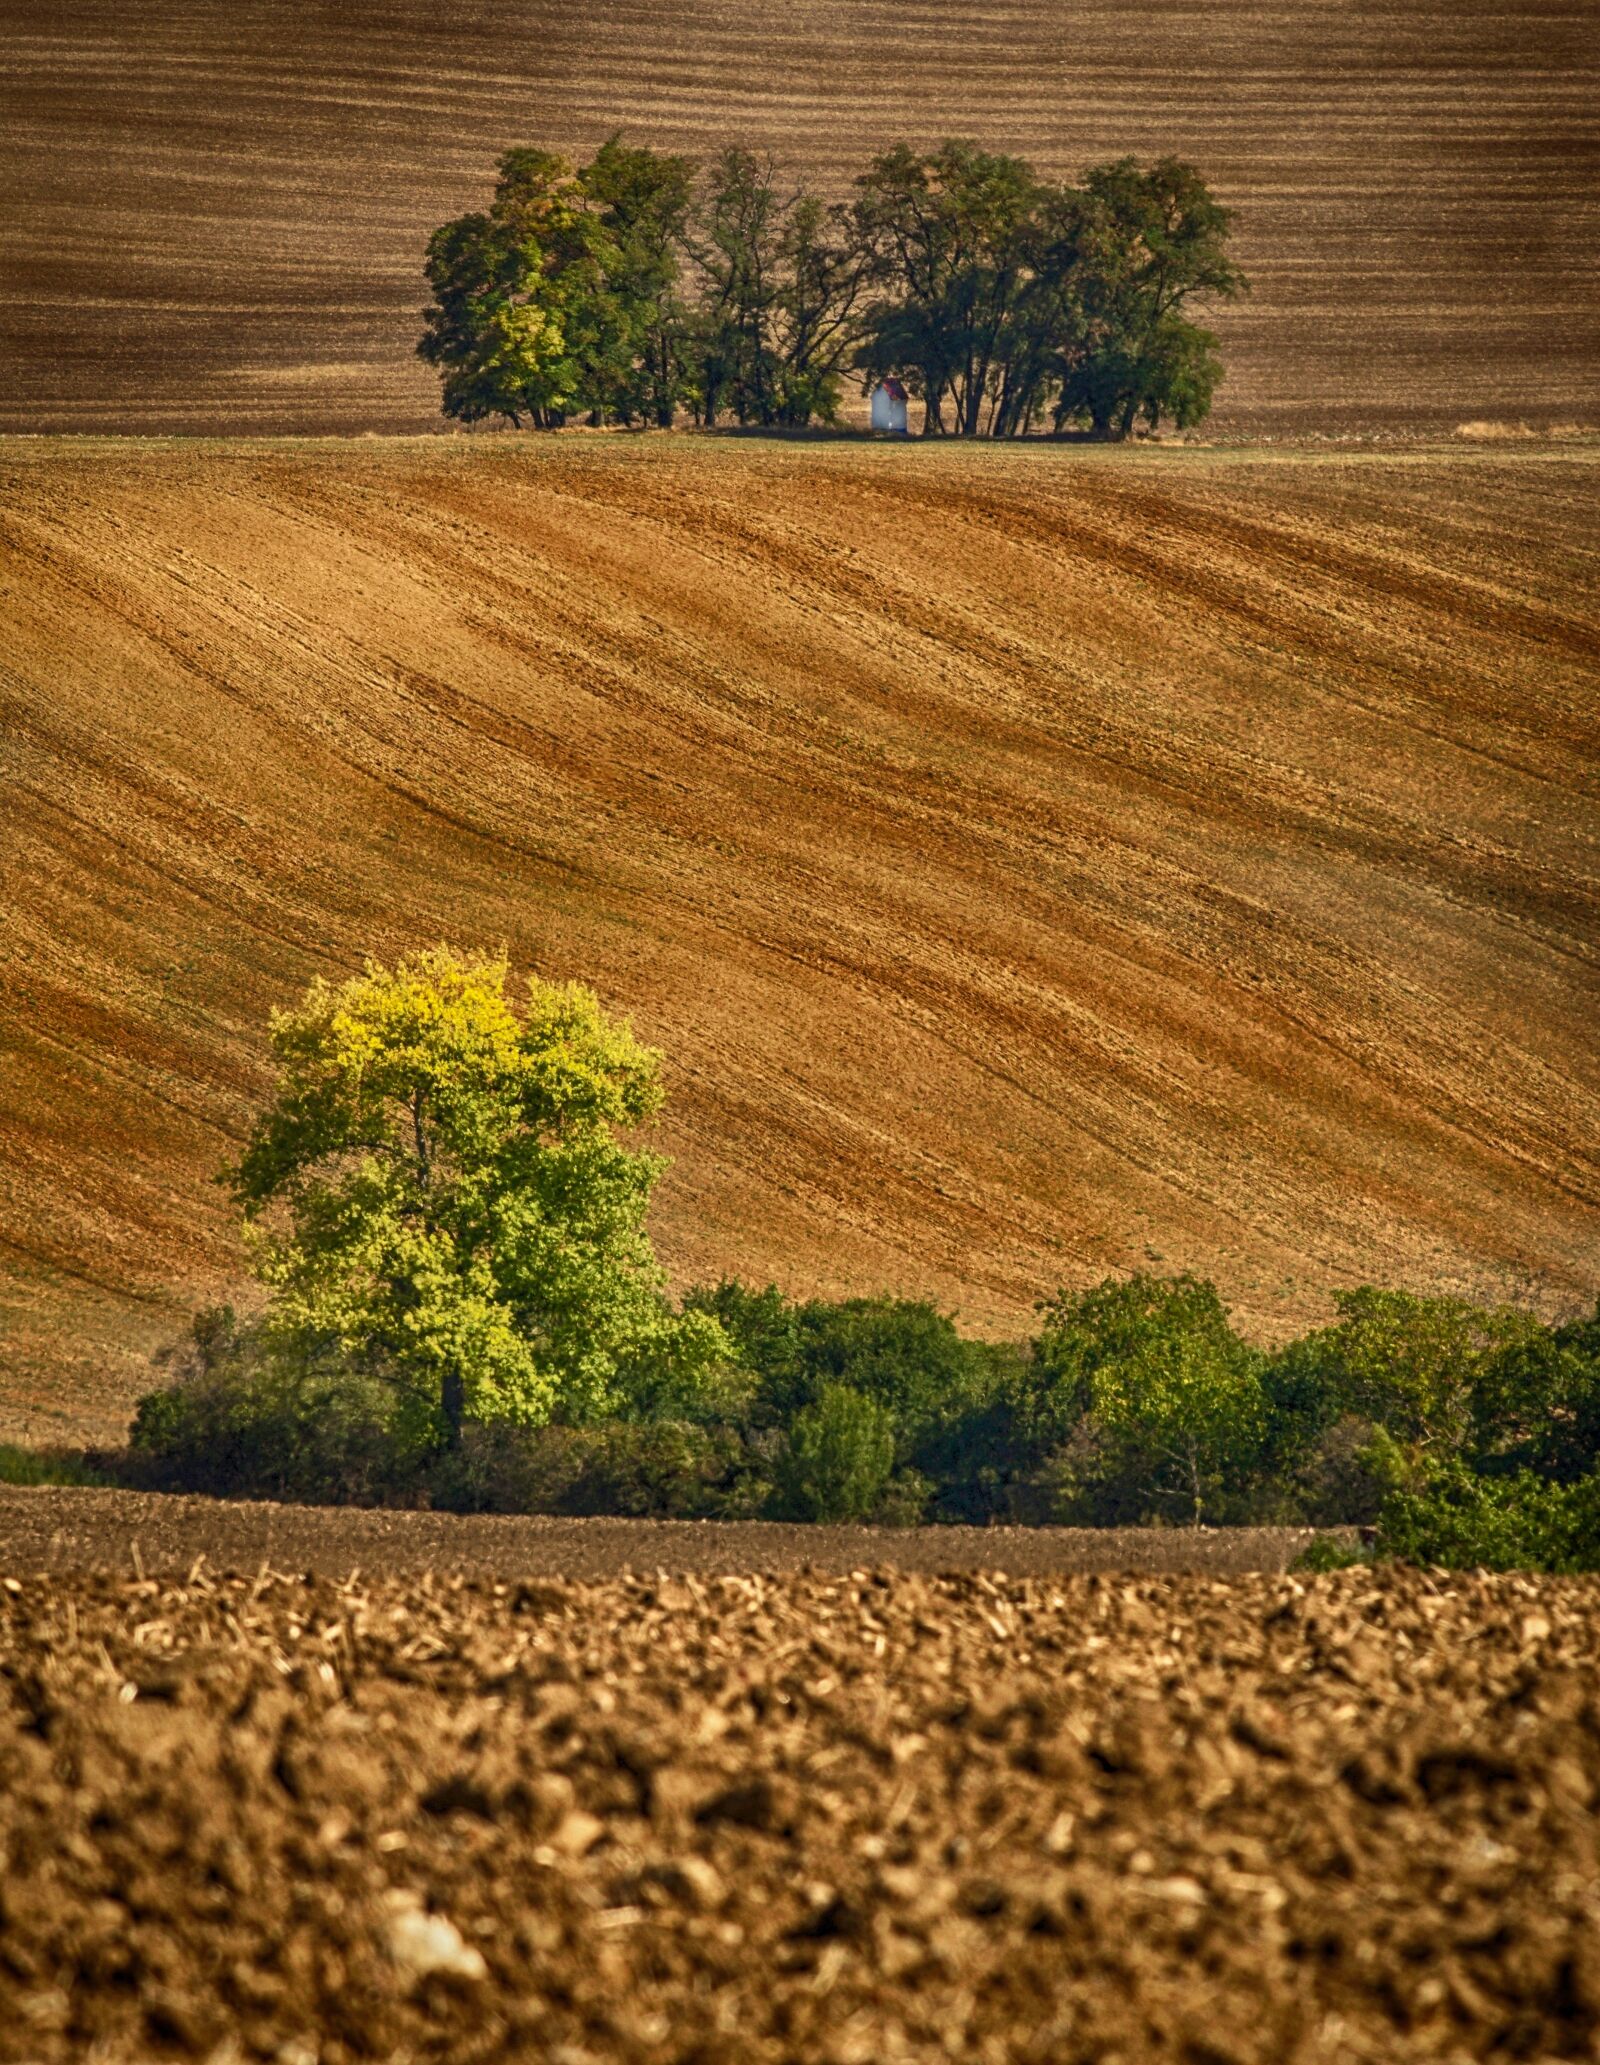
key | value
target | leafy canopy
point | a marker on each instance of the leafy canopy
(637, 285)
(1152, 1367)
(838, 1458)
(441, 1194)
(1430, 1370)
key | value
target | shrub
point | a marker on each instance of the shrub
(974, 1462)
(1136, 1403)
(838, 1458)
(763, 1329)
(670, 1469)
(1327, 1552)
(1088, 1480)
(1537, 1406)
(949, 1399)
(1464, 1521)
(45, 1466)
(1423, 1368)
(1345, 1475)
(902, 1353)
(249, 1418)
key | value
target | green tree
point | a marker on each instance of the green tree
(564, 295)
(1152, 1371)
(1464, 1521)
(1536, 1400)
(838, 1458)
(519, 296)
(1145, 242)
(780, 278)
(1427, 1370)
(638, 369)
(440, 1192)
(902, 1353)
(764, 1331)
(736, 238)
(950, 235)
(823, 282)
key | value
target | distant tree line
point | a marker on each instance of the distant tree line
(640, 287)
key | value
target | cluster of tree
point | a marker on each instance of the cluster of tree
(464, 1306)
(641, 285)
(1457, 1434)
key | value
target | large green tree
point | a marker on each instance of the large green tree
(638, 369)
(518, 292)
(562, 296)
(441, 1194)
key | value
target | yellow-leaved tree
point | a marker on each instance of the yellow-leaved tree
(439, 1189)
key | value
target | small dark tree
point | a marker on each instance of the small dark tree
(824, 283)
(736, 239)
(1147, 243)
(643, 199)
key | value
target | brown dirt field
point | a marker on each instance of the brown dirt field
(72, 1530)
(1032, 862)
(216, 210)
(800, 1821)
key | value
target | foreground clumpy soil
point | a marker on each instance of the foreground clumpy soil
(877, 1817)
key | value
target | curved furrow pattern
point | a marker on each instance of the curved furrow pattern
(218, 209)
(1032, 863)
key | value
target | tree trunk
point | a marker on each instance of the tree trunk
(453, 1400)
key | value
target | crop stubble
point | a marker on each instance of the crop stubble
(217, 211)
(1031, 863)
(822, 1820)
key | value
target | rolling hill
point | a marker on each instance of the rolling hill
(1032, 861)
(215, 211)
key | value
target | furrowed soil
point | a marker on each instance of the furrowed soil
(823, 1820)
(1032, 863)
(73, 1530)
(217, 210)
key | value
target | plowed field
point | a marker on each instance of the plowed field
(215, 210)
(1031, 862)
(795, 1820)
(71, 1531)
